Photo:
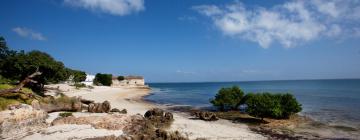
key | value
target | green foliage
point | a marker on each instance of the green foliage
(103, 79)
(65, 114)
(15, 66)
(79, 85)
(228, 98)
(120, 78)
(4, 103)
(23, 64)
(271, 105)
(79, 76)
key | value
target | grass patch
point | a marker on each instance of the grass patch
(6, 86)
(65, 114)
(4, 103)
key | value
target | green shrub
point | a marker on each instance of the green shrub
(79, 85)
(79, 76)
(278, 106)
(103, 79)
(65, 114)
(228, 98)
(120, 78)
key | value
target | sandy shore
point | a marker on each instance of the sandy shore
(130, 99)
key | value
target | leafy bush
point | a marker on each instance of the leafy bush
(103, 79)
(79, 76)
(271, 105)
(228, 98)
(120, 78)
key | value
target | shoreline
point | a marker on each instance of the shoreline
(300, 126)
(134, 101)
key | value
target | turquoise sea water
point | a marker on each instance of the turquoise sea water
(335, 102)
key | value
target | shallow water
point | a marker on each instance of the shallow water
(334, 102)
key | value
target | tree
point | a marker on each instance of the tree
(21, 64)
(79, 76)
(103, 79)
(289, 105)
(120, 78)
(17, 65)
(228, 98)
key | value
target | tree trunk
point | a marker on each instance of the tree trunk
(18, 88)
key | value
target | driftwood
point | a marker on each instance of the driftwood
(18, 88)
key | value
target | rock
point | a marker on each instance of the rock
(110, 122)
(23, 119)
(169, 116)
(51, 104)
(99, 107)
(206, 116)
(35, 104)
(85, 101)
(114, 110)
(154, 112)
(124, 111)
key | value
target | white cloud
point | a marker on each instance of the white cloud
(288, 24)
(28, 33)
(114, 7)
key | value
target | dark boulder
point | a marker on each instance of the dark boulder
(206, 116)
(114, 110)
(99, 107)
(154, 112)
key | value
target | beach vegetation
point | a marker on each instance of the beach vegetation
(65, 114)
(279, 106)
(17, 65)
(4, 103)
(103, 79)
(120, 78)
(79, 76)
(228, 98)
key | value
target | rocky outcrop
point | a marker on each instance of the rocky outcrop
(64, 103)
(206, 116)
(115, 110)
(159, 118)
(99, 107)
(109, 121)
(156, 112)
(21, 120)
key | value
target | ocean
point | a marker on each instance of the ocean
(334, 102)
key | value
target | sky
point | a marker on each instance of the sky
(192, 40)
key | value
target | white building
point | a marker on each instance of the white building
(89, 79)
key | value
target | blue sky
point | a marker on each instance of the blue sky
(192, 41)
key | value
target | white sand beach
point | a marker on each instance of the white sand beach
(130, 99)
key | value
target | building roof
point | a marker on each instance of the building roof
(133, 77)
(130, 77)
